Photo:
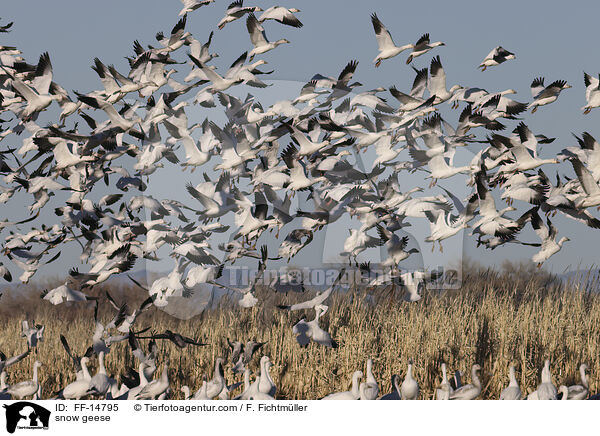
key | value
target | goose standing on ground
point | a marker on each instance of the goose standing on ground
(422, 46)
(546, 390)
(512, 391)
(369, 389)
(592, 92)
(496, 57)
(216, 385)
(352, 394)
(155, 388)
(80, 387)
(26, 388)
(409, 389)
(470, 391)
(580, 392)
(258, 37)
(385, 43)
(545, 95)
(445, 389)
(265, 382)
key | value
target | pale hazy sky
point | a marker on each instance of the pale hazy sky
(547, 40)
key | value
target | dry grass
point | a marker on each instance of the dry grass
(517, 316)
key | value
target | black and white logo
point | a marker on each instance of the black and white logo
(26, 415)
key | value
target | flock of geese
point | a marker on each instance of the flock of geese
(147, 384)
(120, 134)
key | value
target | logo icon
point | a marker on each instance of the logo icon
(26, 415)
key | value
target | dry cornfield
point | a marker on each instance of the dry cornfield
(516, 316)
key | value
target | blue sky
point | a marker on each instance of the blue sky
(547, 40)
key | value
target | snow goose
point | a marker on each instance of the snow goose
(218, 83)
(437, 82)
(192, 5)
(409, 388)
(4, 395)
(143, 381)
(27, 387)
(422, 46)
(101, 383)
(385, 43)
(235, 11)
(76, 359)
(357, 242)
(470, 391)
(590, 187)
(33, 334)
(352, 394)
(258, 37)
(512, 391)
(543, 95)
(37, 95)
(265, 383)
(319, 299)
(548, 236)
(395, 245)
(6, 362)
(546, 390)
(445, 389)
(579, 392)
(564, 391)
(592, 92)
(497, 56)
(155, 388)
(306, 331)
(80, 387)
(281, 15)
(369, 389)
(216, 385)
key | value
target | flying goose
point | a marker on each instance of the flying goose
(235, 11)
(512, 391)
(545, 95)
(385, 43)
(437, 82)
(422, 46)
(547, 234)
(281, 15)
(258, 37)
(305, 331)
(497, 56)
(319, 299)
(192, 5)
(592, 92)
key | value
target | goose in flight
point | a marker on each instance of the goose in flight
(320, 297)
(305, 331)
(395, 245)
(581, 391)
(385, 43)
(470, 391)
(33, 334)
(592, 92)
(28, 387)
(497, 56)
(437, 82)
(352, 394)
(258, 37)
(235, 11)
(6, 362)
(409, 389)
(591, 188)
(179, 340)
(192, 5)
(543, 95)
(422, 46)
(512, 391)
(547, 234)
(281, 15)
